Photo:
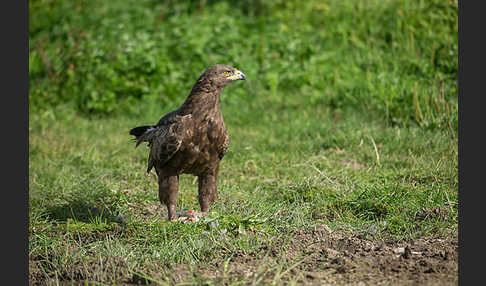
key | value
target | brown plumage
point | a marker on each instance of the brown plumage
(190, 140)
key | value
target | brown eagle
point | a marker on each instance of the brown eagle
(190, 140)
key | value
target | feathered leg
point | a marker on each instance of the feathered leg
(208, 190)
(168, 191)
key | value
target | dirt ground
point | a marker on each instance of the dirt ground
(341, 258)
(352, 259)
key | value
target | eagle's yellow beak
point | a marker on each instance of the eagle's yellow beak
(237, 75)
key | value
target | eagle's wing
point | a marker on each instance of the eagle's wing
(166, 139)
(223, 148)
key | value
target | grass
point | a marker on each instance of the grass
(297, 170)
(348, 120)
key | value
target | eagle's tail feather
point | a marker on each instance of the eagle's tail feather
(141, 132)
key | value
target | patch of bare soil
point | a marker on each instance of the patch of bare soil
(338, 258)
(322, 257)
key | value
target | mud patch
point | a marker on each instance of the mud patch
(343, 258)
(321, 257)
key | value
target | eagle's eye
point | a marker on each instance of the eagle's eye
(226, 73)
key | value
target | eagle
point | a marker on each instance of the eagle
(190, 140)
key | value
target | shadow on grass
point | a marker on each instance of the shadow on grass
(82, 210)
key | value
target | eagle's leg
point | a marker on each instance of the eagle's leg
(168, 191)
(208, 190)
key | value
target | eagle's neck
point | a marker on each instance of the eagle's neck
(203, 99)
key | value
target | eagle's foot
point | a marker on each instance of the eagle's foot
(171, 209)
(189, 216)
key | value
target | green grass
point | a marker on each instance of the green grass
(279, 175)
(348, 118)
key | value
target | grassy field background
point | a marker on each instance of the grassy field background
(348, 118)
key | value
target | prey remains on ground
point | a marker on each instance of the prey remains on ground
(190, 140)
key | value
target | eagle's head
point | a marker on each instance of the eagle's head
(220, 75)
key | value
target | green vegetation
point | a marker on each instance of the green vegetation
(348, 118)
